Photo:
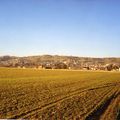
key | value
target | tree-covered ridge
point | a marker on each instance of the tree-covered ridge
(60, 62)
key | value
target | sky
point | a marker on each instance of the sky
(88, 28)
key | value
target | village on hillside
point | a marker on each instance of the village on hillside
(61, 62)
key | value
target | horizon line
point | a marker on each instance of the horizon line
(58, 55)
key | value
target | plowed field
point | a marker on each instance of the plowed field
(59, 94)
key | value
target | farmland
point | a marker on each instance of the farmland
(59, 94)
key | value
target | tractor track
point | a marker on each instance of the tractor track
(101, 109)
(72, 94)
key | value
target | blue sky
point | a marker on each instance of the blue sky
(64, 27)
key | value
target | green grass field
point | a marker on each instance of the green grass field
(59, 94)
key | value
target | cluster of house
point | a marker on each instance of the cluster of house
(107, 67)
(58, 65)
(61, 62)
(62, 65)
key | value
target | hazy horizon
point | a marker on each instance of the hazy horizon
(65, 27)
(56, 55)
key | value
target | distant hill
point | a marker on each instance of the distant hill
(52, 60)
